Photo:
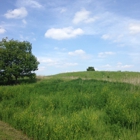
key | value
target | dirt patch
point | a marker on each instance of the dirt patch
(9, 133)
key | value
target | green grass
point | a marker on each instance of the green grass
(62, 107)
(127, 77)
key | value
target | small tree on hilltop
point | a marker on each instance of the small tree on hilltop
(90, 69)
(16, 60)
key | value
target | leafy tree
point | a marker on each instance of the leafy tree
(16, 60)
(90, 69)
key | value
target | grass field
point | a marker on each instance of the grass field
(75, 106)
(126, 77)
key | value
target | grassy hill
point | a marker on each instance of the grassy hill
(75, 106)
(127, 77)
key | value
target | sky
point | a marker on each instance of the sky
(71, 35)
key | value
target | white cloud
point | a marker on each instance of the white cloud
(63, 64)
(56, 62)
(91, 19)
(120, 65)
(107, 66)
(41, 68)
(63, 10)
(106, 36)
(63, 33)
(2, 30)
(115, 37)
(80, 54)
(126, 66)
(105, 54)
(30, 3)
(77, 52)
(56, 48)
(71, 64)
(48, 61)
(16, 13)
(119, 38)
(134, 28)
(116, 29)
(83, 16)
(24, 21)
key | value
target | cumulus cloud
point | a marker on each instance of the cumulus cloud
(134, 28)
(105, 54)
(83, 16)
(77, 52)
(30, 3)
(80, 53)
(63, 33)
(56, 62)
(2, 30)
(16, 13)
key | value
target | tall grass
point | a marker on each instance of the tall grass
(78, 109)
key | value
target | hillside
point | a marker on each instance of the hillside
(126, 77)
(78, 106)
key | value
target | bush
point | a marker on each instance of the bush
(90, 69)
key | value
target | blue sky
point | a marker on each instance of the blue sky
(72, 35)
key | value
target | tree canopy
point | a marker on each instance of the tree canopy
(90, 69)
(16, 60)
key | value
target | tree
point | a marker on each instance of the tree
(16, 60)
(90, 69)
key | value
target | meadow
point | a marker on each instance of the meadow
(75, 106)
